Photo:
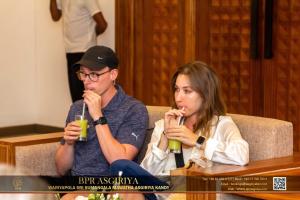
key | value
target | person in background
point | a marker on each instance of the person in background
(83, 21)
(116, 122)
(207, 135)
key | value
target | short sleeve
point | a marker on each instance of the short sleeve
(58, 3)
(92, 6)
(71, 114)
(133, 129)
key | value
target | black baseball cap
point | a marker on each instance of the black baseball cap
(98, 57)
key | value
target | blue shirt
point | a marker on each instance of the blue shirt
(127, 119)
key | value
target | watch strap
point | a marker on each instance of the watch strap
(102, 120)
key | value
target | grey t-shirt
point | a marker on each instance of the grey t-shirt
(127, 119)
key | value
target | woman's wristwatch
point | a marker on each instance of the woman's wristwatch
(200, 141)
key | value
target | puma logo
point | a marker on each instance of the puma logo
(120, 173)
(136, 136)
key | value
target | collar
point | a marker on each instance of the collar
(116, 100)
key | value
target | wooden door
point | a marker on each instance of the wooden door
(223, 41)
(155, 38)
(261, 86)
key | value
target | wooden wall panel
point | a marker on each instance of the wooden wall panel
(282, 99)
(161, 37)
(154, 37)
(229, 40)
(164, 18)
(125, 43)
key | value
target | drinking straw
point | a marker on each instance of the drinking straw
(181, 118)
(83, 109)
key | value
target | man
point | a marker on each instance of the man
(117, 123)
(82, 23)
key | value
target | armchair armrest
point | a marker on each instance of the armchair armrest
(267, 138)
(34, 153)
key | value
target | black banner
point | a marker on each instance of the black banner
(184, 184)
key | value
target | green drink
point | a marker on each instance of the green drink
(83, 125)
(174, 146)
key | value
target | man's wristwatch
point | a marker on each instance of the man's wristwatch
(102, 120)
(200, 141)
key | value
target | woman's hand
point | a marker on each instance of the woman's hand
(171, 117)
(182, 134)
(72, 132)
(170, 120)
(93, 102)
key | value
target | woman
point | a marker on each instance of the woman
(207, 134)
(197, 97)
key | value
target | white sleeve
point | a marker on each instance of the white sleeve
(227, 145)
(155, 159)
(93, 6)
(58, 3)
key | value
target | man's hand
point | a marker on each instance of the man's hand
(72, 132)
(93, 101)
(101, 23)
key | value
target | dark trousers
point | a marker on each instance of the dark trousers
(75, 85)
(132, 169)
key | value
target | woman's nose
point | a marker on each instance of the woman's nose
(178, 96)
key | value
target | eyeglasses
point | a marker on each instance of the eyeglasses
(92, 76)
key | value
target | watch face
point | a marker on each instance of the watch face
(201, 140)
(101, 120)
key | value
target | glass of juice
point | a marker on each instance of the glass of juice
(175, 145)
(82, 122)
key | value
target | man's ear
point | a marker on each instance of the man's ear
(114, 74)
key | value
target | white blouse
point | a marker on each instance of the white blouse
(225, 145)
